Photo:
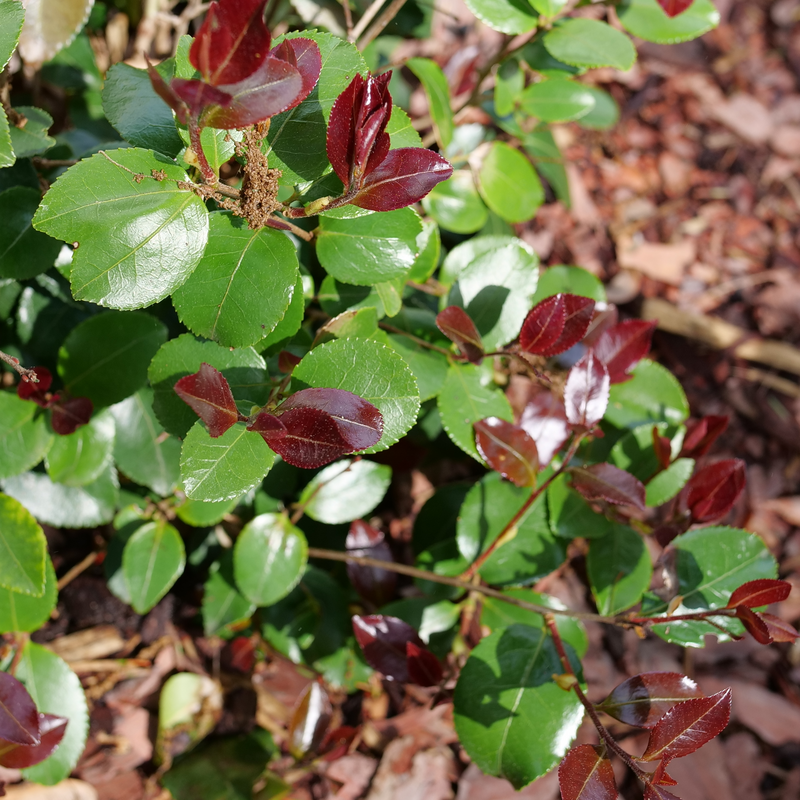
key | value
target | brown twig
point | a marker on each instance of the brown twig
(381, 22)
(365, 20)
(78, 569)
(18, 368)
(421, 342)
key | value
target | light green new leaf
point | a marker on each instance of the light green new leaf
(647, 20)
(160, 230)
(80, 457)
(31, 139)
(506, 16)
(590, 43)
(509, 184)
(557, 100)
(22, 549)
(24, 252)
(269, 558)
(548, 8)
(619, 568)
(438, 92)
(668, 483)
(24, 435)
(401, 130)
(429, 244)
(456, 205)
(153, 559)
(23, 613)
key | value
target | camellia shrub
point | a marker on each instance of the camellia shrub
(222, 376)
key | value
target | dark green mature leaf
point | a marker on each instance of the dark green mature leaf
(590, 43)
(619, 569)
(7, 157)
(511, 717)
(225, 467)
(542, 148)
(55, 689)
(242, 286)
(24, 436)
(532, 552)
(429, 367)
(634, 451)
(557, 100)
(654, 395)
(269, 558)
(604, 115)
(151, 216)
(12, 14)
(22, 549)
(289, 325)
(370, 370)
(647, 20)
(456, 205)
(224, 607)
(153, 559)
(32, 138)
(506, 16)
(80, 457)
(371, 249)
(25, 613)
(106, 357)
(24, 252)
(435, 84)
(509, 184)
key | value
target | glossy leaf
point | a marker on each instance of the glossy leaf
(25, 613)
(79, 458)
(570, 515)
(373, 584)
(428, 367)
(456, 205)
(508, 449)
(712, 492)
(647, 20)
(209, 395)
(543, 325)
(688, 726)
(702, 434)
(643, 699)
(545, 420)
(16, 756)
(674, 7)
(504, 15)
(19, 719)
(586, 392)
(619, 569)
(32, 139)
(69, 415)
(557, 100)
(754, 625)
(457, 326)
(424, 668)
(509, 184)
(12, 15)
(778, 630)
(224, 608)
(383, 641)
(23, 548)
(622, 347)
(654, 395)
(24, 437)
(585, 774)
(607, 482)
(664, 486)
(590, 43)
(437, 90)
(761, 592)
(310, 719)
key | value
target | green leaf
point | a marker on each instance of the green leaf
(151, 216)
(456, 205)
(548, 8)
(31, 139)
(575, 280)
(67, 506)
(141, 450)
(434, 82)
(297, 137)
(495, 279)
(510, 715)
(126, 523)
(55, 689)
(336, 297)
(654, 395)
(429, 367)
(506, 16)
(203, 514)
(81, 457)
(557, 100)
(429, 244)
(106, 357)
(466, 398)
(12, 15)
(537, 57)
(7, 157)
(371, 249)
(391, 295)
(23, 613)
(570, 515)
(345, 490)
(372, 371)
(225, 467)
(634, 451)
(619, 569)
(24, 252)
(137, 112)
(549, 162)
(23, 549)
(244, 369)
(219, 146)
(647, 20)
(24, 435)
(604, 115)
(291, 322)
(242, 285)
(427, 615)
(509, 82)
(224, 609)
(709, 564)
(590, 43)
(269, 558)
(532, 553)
(401, 131)
(509, 184)
(153, 559)
(668, 483)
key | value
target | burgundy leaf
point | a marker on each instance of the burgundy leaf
(424, 668)
(701, 434)
(760, 592)
(660, 776)
(241, 654)
(37, 392)
(16, 756)
(372, 583)
(607, 482)
(209, 395)
(622, 347)
(586, 774)
(304, 55)
(543, 325)
(310, 720)
(779, 630)
(711, 492)
(605, 316)
(545, 421)
(19, 719)
(652, 792)
(192, 97)
(578, 316)
(287, 361)
(165, 91)
(667, 531)
(508, 449)
(754, 625)
(232, 42)
(403, 178)
(586, 392)
(383, 640)
(674, 7)
(642, 700)
(69, 415)
(662, 447)
(687, 726)
(458, 327)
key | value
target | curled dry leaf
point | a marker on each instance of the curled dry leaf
(209, 395)
(610, 483)
(508, 449)
(586, 774)
(760, 592)
(458, 327)
(586, 392)
(711, 492)
(623, 346)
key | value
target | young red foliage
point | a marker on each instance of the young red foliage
(383, 640)
(586, 774)
(610, 483)
(754, 625)
(779, 630)
(18, 756)
(674, 7)
(653, 792)
(556, 324)
(586, 392)
(662, 447)
(760, 592)
(660, 776)
(711, 492)
(623, 346)
(287, 361)
(545, 420)
(424, 668)
(508, 449)
(701, 434)
(37, 392)
(459, 328)
(687, 726)
(241, 654)
(19, 718)
(67, 415)
(375, 585)
(209, 395)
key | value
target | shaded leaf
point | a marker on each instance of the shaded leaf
(28, 390)
(508, 449)
(383, 641)
(607, 482)
(372, 583)
(642, 700)
(760, 592)
(424, 668)
(68, 415)
(623, 346)
(701, 434)
(19, 719)
(209, 395)
(586, 392)
(52, 729)
(458, 327)
(711, 492)
(619, 569)
(585, 774)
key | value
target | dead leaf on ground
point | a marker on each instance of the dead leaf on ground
(66, 790)
(474, 785)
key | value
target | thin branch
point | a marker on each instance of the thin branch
(421, 342)
(348, 18)
(383, 20)
(365, 20)
(18, 368)
(79, 568)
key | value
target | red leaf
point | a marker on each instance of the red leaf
(189, 98)
(287, 361)
(586, 392)
(701, 434)
(458, 327)
(19, 719)
(760, 592)
(372, 583)
(383, 640)
(607, 482)
(424, 668)
(642, 700)
(660, 776)
(622, 347)
(585, 774)
(545, 421)
(209, 395)
(543, 325)
(754, 625)
(711, 492)
(37, 392)
(674, 7)
(662, 447)
(232, 42)
(652, 792)
(779, 630)
(241, 654)
(508, 449)
(16, 756)
(579, 311)
(69, 415)
(687, 726)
